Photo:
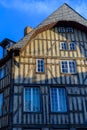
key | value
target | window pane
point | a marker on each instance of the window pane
(53, 95)
(72, 67)
(72, 46)
(64, 67)
(1, 103)
(58, 100)
(2, 72)
(31, 99)
(63, 45)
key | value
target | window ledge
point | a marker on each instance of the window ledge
(40, 72)
(25, 112)
(59, 112)
(69, 73)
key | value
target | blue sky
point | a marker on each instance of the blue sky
(15, 15)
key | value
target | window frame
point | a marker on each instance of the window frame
(42, 66)
(71, 47)
(62, 46)
(29, 111)
(65, 97)
(68, 67)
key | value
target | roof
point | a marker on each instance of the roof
(6, 41)
(64, 13)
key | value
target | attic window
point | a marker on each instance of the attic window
(61, 29)
(65, 29)
(69, 29)
(72, 46)
(63, 46)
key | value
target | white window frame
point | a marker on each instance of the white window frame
(1, 103)
(40, 67)
(68, 68)
(71, 47)
(32, 89)
(62, 46)
(58, 100)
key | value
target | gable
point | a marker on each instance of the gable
(64, 13)
(47, 43)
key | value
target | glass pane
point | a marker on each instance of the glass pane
(72, 46)
(64, 67)
(2, 72)
(36, 99)
(54, 102)
(27, 104)
(72, 66)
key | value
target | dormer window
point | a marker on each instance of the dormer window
(2, 72)
(61, 29)
(65, 29)
(72, 46)
(69, 29)
(63, 45)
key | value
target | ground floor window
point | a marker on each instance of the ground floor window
(31, 99)
(58, 100)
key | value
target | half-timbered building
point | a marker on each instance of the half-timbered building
(43, 77)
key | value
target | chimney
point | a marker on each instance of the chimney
(27, 30)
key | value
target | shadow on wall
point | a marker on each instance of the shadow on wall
(75, 79)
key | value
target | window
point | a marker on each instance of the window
(69, 29)
(68, 67)
(32, 99)
(63, 45)
(61, 29)
(1, 103)
(2, 72)
(72, 46)
(58, 100)
(40, 65)
(65, 29)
